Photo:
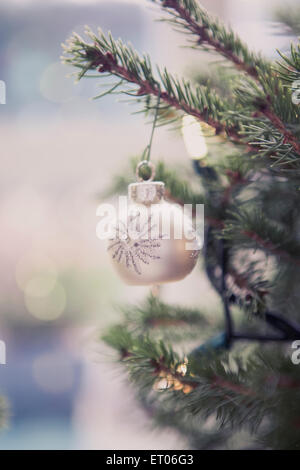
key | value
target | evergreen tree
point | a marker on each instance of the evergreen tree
(235, 381)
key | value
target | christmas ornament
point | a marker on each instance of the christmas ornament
(163, 382)
(154, 241)
(182, 368)
(172, 380)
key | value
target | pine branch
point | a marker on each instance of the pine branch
(114, 58)
(288, 136)
(109, 56)
(169, 322)
(249, 290)
(189, 15)
(210, 33)
(285, 294)
(273, 102)
(201, 434)
(289, 68)
(260, 116)
(252, 229)
(154, 313)
(237, 393)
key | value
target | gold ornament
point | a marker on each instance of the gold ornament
(155, 241)
(177, 385)
(182, 368)
(170, 380)
(162, 384)
(187, 389)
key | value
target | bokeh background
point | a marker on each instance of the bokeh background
(58, 151)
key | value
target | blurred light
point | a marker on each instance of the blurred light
(40, 286)
(24, 69)
(55, 85)
(2, 92)
(53, 373)
(23, 210)
(79, 107)
(193, 137)
(36, 274)
(32, 118)
(47, 308)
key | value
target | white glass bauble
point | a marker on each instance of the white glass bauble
(155, 241)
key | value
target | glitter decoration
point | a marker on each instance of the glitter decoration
(136, 251)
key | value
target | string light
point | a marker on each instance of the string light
(193, 137)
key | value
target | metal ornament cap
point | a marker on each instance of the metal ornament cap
(147, 192)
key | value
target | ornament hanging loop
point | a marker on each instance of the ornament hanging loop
(145, 163)
(147, 152)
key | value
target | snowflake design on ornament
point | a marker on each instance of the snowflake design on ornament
(134, 251)
(194, 254)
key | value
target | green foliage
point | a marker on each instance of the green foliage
(262, 113)
(210, 34)
(290, 67)
(252, 203)
(251, 228)
(116, 59)
(168, 322)
(178, 188)
(222, 79)
(233, 393)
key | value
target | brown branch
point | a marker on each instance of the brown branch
(204, 37)
(230, 386)
(165, 322)
(108, 63)
(266, 245)
(242, 282)
(235, 179)
(178, 381)
(216, 382)
(220, 225)
(159, 368)
(289, 137)
(270, 247)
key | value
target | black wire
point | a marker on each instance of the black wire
(227, 313)
(288, 330)
(209, 268)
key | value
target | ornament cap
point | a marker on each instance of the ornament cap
(146, 192)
